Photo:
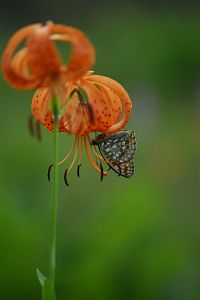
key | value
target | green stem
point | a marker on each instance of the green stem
(54, 201)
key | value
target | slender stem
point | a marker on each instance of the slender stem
(54, 199)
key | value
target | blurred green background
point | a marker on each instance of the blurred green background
(135, 239)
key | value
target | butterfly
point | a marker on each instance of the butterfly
(118, 151)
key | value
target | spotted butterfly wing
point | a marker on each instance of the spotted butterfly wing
(118, 151)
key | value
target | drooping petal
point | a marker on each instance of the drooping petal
(83, 53)
(44, 60)
(41, 108)
(17, 80)
(100, 108)
(76, 117)
(72, 123)
(19, 63)
(123, 95)
(114, 102)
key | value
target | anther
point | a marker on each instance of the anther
(30, 125)
(65, 177)
(38, 131)
(73, 92)
(101, 168)
(81, 98)
(49, 172)
(78, 170)
(90, 113)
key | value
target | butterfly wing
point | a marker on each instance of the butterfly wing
(118, 151)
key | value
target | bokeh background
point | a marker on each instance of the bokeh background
(135, 239)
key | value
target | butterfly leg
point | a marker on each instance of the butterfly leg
(101, 168)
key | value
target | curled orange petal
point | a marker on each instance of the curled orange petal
(123, 95)
(114, 103)
(19, 64)
(101, 110)
(43, 58)
(41, 108)
(13, 76)
(83, 53)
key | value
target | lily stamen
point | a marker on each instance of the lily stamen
(75, 156)
(70, 152)
(99, 157)
(90, 158)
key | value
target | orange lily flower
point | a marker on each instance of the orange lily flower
(92, 103)
(87, 102)
(38, 63)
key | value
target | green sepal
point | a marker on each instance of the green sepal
(46, 285)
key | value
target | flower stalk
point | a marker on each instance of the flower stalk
(54, 194)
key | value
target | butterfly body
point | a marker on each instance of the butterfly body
(118, 151)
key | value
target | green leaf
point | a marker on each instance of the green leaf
(48, 292)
